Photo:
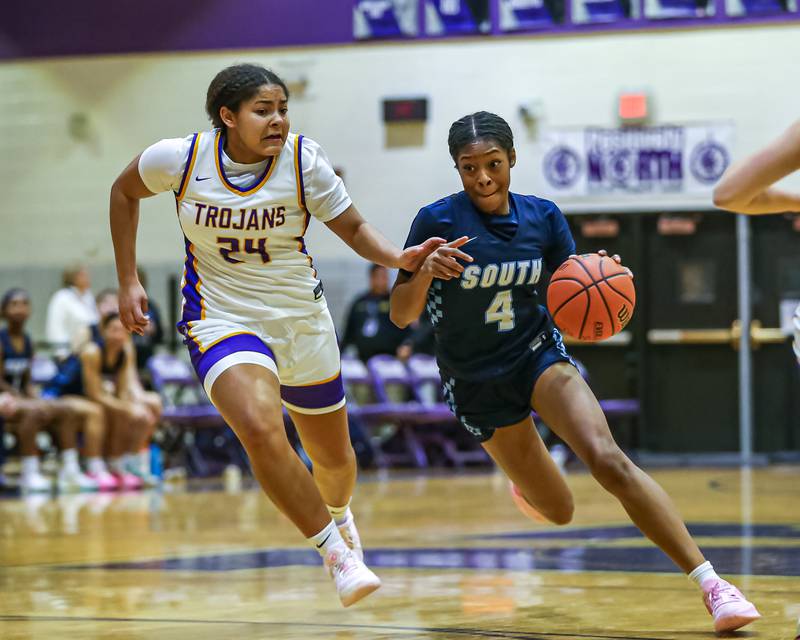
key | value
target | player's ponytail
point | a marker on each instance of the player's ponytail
(479, 126)
(233, 85)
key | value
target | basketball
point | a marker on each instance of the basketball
(591, 297)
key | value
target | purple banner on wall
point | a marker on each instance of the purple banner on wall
(57, 28)
(92, 27)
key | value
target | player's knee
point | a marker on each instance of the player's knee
(332, 460)
(91, 411)
(612, 469)
(262, 433)
(561, 513)
(37, 418)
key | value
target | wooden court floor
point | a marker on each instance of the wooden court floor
(456, 559)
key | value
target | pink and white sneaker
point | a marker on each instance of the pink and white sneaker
(127, 481)
(352, 578)
(727, 605)
(351, 537)
(105, 481)
(523, 505)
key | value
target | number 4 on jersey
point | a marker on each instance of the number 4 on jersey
(501, 310)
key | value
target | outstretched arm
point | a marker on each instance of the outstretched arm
(126, 192)
(747, 187)
(370, 243)
(411, 291)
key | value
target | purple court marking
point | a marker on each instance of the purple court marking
(761, 560)
(725, 530)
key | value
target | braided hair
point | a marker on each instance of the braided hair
(479, 126)
(235, 84)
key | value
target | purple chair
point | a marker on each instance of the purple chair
(187, 409)
(362, 400)
(394, 393)
(427, 386)
(185, 400)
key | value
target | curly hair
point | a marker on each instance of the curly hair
(235, 84)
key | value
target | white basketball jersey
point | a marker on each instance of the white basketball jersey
(245, 249)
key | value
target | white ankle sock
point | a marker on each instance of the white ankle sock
(69, 461)
(326, 538)
(339, 514)
(30, 465)
(95, 465)
(117, 465)
(702, 573)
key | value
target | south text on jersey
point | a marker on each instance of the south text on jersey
(504, 274)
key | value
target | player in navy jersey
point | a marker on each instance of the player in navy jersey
(500, 355)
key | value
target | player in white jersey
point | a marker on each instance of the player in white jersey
(254, 315)
(747, 187)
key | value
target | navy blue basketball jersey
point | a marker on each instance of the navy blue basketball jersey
(69, 379)
(16, 364)
(485, 320)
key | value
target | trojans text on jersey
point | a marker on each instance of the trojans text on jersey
(245, 219)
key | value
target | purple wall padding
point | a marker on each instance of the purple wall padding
(86, 27)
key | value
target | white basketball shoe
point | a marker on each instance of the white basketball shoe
(352, 577)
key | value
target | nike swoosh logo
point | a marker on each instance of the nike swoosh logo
(199, 179)
(319, 546)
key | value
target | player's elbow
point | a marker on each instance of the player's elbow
(399, 316)
(399, 319)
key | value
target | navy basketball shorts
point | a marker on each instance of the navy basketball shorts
(481, 407)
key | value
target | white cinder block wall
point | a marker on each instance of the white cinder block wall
(68, 126)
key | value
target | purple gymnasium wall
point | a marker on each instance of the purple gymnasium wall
(87, 27)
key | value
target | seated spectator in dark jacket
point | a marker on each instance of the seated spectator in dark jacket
(369, 328)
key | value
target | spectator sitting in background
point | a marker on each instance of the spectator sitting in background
(7, 408)
(105, 372)
(71, 312)
(32, 414)
(153, 332)
(369, 328)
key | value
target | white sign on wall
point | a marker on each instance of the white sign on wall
(644, 160)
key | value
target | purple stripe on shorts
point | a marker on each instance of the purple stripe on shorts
(317, 396)
(240, 342)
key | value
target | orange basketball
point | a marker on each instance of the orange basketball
(591, 297)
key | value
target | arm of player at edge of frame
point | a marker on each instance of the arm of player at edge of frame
(747, 186)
